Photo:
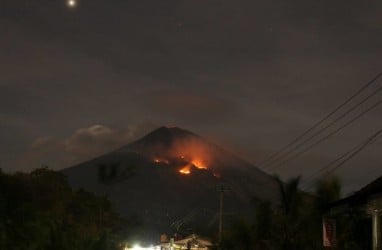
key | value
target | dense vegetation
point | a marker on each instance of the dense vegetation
(296, 223)
(40, 211)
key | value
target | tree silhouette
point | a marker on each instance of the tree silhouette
(108, 174)
(40, 211)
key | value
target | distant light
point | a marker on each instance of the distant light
(217, 175)
(138, 247)
(161, 161)
(72, 3)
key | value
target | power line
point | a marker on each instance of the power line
(359, 91)
(313, 176)
(353, 154)
(347, 112)
(329, 135)
(346, 156)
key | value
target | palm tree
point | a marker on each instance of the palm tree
(291, 214)
(263, 225)
(327, 191)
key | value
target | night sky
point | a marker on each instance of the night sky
(76, 82)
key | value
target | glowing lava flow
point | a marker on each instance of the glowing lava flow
(198, 164)
(188, 165)
(186, 170)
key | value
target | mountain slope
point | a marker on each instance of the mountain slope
(171, 178)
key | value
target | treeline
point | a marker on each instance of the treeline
(40, 211)
(296, 222)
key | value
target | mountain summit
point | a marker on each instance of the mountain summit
(163, 138)
(171, 178)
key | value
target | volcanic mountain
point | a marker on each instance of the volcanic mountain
(172, 179)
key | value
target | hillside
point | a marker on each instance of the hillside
(171, 178)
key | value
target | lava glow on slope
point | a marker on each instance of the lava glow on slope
(192, 164)
(185, 163)
(186, 170)
(198, 164)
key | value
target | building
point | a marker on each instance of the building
(368, 199)
(192, 242)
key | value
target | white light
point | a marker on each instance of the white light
(72, 3)
(138, 247)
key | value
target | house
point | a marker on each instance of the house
(192, 242)
(368, 199)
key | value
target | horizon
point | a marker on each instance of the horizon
(187, 132)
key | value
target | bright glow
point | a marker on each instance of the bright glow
(186, 170)
(72, 3)
(138, 247)
(198, 164)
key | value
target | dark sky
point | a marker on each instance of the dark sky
(249, 75)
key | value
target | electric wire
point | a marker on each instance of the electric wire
(294, 156)
(347, 112)
(309, 181)
(314, 126)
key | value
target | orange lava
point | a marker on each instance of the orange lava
(186, 170)
(198, 164)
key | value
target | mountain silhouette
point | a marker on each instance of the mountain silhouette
(172, 179)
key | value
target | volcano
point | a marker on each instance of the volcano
(172, 179)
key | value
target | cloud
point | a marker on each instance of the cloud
(83, 144)
(96, 139)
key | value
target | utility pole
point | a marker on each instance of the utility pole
(221, 216)
(376, 231)
(374, 209)
(221, 189)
